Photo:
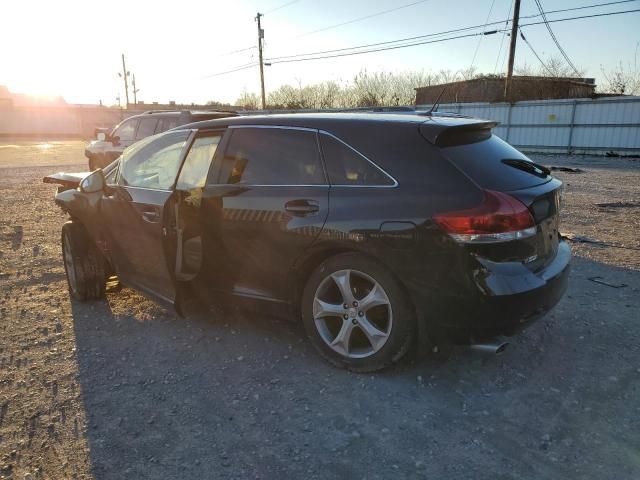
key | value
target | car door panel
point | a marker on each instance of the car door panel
(251, 240)
(254, 233)
(135, 217)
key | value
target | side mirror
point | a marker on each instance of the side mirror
(115, 139)
(94, 182)
(101, 137)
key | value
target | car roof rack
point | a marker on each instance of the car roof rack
(398, 109)
(190, 112)
(279, 111)
(379, 109)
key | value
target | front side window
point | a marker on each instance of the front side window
(345, 166)
(146, 128)
(272, 156)
(153, 162)
(196, 166)
(127, 130)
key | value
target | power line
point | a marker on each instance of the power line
(506, 21)
(555, 40)
(348, 22)
(236, 69)
(294, 58)
(473, 60)
(417, 37)
(236, 51)
(535, 53)
(284, 5)
(456, 30)
(595, 15)
(586, 6)
(313, 56)
(504, 34)
(382, 49)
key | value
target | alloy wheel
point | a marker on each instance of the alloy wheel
(352, 313)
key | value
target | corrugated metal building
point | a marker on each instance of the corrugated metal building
(610, 124)
(491, 89)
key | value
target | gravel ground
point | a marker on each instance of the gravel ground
(123, 389)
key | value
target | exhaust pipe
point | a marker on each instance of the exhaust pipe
(494, 347)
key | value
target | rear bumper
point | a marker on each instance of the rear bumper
(503, 298)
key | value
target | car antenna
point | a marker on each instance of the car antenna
(437, 102)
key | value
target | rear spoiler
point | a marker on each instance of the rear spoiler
(67, 180)
(446, 132)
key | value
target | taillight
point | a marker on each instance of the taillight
(500, 218)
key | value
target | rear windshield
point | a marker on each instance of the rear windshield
(483, 163)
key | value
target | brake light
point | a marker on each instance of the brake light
(500, 218)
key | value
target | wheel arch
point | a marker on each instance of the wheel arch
(305, 266)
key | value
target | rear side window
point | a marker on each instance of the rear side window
(165, 124)
(146, 128)
(345, 166)
(483, 163)
(272, 156)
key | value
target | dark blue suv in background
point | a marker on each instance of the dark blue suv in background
(109, 145)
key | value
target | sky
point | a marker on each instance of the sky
(73, 48)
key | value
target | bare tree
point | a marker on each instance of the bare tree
(621, 80)
(555, 67)
(215, 103)
(368, 89)
(248, 101)
(468, 73)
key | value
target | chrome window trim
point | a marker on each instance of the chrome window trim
(318, 132)
(126, 187)
(263, 185)
(282, 127)
(384, 172)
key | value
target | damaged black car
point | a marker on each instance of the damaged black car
(381, 232)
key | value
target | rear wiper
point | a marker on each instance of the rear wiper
(528, 166)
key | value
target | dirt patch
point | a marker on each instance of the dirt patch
(601, 204)
(124, 389)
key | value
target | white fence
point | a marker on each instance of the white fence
(598, 126)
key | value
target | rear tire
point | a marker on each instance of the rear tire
(84, 265)
(356, 313)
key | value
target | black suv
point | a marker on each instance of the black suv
(378, 231)
(109, 145)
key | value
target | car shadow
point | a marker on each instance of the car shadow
(243, 395)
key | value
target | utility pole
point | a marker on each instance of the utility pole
(260, 39)
(512, 50)
(135, 90)
(125, 77)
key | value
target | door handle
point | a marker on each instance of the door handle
(151, 216)
(302, 208)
